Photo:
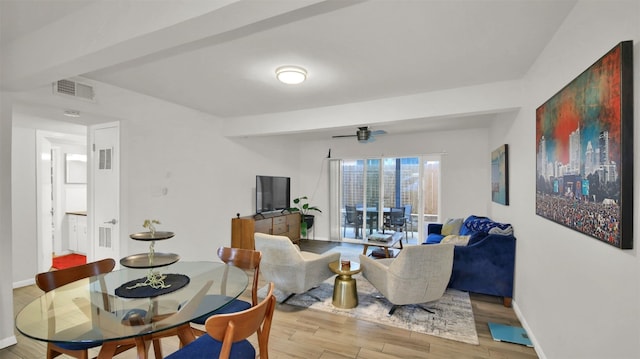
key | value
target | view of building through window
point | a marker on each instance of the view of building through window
(409, 184)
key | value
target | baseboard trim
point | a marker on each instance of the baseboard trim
(7, 342)
(526, 327)
(24, 283)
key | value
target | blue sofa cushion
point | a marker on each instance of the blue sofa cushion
(433, 238)
(486, 266)
(476, 237)
(434, 228)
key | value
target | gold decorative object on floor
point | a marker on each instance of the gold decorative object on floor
(345, 292)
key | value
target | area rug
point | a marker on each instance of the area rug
(68, 260)
(453, 318)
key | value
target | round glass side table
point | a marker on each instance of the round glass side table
(345, 293)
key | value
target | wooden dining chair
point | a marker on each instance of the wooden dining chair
(227, 333)
(245, 259)
(48, 281)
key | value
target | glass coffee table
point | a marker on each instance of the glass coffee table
(345, 293)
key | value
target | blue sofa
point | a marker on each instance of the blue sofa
(486, 264)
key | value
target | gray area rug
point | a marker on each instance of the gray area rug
(453, 318)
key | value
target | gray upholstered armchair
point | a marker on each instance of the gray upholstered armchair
(419, 274)
(292, 270)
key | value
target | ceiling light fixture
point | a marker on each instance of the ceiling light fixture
(71, 113)
(291, 75)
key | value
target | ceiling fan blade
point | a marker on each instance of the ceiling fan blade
(340, 136)
(378, 132)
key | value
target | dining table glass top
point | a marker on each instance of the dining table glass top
(89, 310)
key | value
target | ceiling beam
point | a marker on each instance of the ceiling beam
(112, 33)
(483, 99)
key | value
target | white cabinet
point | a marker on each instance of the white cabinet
(76, 232)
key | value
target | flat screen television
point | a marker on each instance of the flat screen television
(272, 193)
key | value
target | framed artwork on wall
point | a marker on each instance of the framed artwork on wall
(500, 175)
(584, 159)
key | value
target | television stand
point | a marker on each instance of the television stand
(282, 224)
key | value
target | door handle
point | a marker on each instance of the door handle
(113, 221)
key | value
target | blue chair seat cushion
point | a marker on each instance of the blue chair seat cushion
(78, 346)
(236, 305)
(207, 347)
(82, 345)
(82, 342)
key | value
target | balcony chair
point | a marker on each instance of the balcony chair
(292, 270)
(394, 219)
(408, 221)
(352, 218)
(227, 333)
(419, 274)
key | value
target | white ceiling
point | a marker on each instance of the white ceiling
(354, 51)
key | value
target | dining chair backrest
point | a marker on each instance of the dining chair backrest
(246, 259)
(233, 327)
(48, 281)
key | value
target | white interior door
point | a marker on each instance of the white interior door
(104, 218)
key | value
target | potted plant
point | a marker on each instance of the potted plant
(302, 206)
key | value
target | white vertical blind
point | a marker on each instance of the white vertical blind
(335, 196)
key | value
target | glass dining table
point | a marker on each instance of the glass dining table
(99, 310)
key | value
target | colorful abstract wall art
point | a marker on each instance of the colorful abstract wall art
(584, 162)
(500, 175)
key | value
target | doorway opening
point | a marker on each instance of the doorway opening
(61, 196)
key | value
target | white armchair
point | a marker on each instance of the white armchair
(290, 269)
(419, 274)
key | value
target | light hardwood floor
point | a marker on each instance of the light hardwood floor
(304, 333)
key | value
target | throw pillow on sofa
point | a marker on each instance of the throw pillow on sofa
(451, 226)
(483, 224)
(433, 238)
(456, 239)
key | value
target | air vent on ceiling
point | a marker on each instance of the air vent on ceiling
(75, 89)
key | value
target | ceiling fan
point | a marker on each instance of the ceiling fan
(364, 134)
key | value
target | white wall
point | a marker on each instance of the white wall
(177, 168)
(24, 204)
(7, 336)
(465, 167)
(208, 178)
(578, 297)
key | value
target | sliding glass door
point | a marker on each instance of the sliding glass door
(368, 192)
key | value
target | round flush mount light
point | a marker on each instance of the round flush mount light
(291, 75)
(71, 113)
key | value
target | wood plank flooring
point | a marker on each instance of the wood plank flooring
(304, 333)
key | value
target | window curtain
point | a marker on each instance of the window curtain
(335, 195)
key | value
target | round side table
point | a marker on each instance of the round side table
(345, 293)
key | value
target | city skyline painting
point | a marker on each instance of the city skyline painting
(584, 159)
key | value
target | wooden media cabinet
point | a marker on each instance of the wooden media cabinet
(281, 224)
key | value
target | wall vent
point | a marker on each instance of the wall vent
(75, 89)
